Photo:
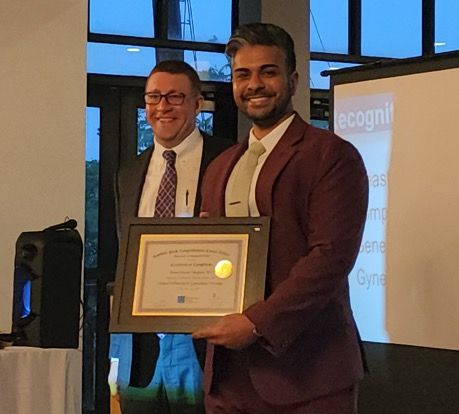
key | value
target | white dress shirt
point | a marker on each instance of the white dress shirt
(269, 142)
(187, 164)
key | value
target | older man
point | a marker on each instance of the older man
(161, 373)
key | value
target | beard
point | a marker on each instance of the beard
(266, 117)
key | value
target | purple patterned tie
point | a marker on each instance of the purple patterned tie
(165, 201)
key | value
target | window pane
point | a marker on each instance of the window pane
(320, 123)
(144, 132)
(91, 238)
(316, 81)
(199, 20)
(446, 25)
(204, 121)
(112, 59)
(391, 28)
(328, 26)
(210, 66)
(127, 60)
(121, 17)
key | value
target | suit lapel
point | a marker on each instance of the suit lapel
(210, 149)
(207, 156)
(220, 179)
(276, 162)
(136, 179)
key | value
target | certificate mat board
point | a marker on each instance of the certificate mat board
(176, 275)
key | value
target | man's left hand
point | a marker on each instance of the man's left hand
(233, 331)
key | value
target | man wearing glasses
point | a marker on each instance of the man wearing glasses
(162, 372)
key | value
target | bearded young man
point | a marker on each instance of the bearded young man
(298, 350)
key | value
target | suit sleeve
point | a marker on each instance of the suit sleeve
(333, 221)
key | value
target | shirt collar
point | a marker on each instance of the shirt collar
(270, 140)
(184, 148)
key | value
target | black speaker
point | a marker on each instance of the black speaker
(47, 284)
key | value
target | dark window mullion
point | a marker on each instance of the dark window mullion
(131, 100)
(170, 27)
(348, 58)
(96, 307)
(355, 27)
(234, 15)
(156, 42)
(428, 27)
(161, 17)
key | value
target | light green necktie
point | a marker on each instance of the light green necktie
(238, 187)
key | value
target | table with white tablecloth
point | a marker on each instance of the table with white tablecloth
(40, 381)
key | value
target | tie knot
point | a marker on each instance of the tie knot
(169, 156)
(256, 148)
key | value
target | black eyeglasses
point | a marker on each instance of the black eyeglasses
(172, 98)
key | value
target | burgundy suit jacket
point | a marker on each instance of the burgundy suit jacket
(315, 189)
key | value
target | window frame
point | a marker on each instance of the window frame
(354, 54)
(160, 39)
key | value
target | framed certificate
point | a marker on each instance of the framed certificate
(176, 275)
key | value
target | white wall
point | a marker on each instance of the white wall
(293, 16)
(42, 117)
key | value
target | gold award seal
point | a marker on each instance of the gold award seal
(223, 269)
